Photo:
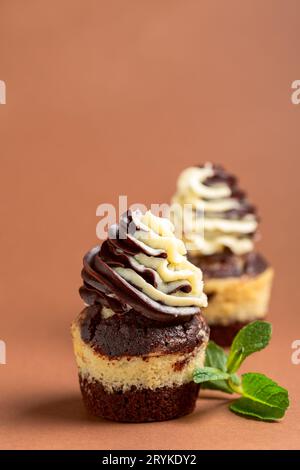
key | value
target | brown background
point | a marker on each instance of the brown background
(108, 98)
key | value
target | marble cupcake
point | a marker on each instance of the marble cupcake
(219, 234)
(141, 334)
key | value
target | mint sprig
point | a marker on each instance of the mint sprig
(250, 339)
(261, 397)
(207, 374)
(215, 357)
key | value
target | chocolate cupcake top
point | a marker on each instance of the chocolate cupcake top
(221, 216)
(143, 266)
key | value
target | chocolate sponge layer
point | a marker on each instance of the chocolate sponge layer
(141, 405)
(131, 334)
(227, 264)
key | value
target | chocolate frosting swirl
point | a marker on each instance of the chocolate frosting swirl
(143, 266)
(229, 220)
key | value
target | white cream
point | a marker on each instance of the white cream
(107, 312)
(211, 232)
(172, 271)
(238, 299)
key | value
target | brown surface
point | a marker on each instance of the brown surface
(108, 98)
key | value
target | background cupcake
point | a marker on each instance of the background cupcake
(141, 335)
(219, 236)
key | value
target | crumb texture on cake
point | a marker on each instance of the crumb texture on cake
(131, 334)
(142, 372)
(242, 299)
(139, 405)
(227, 264)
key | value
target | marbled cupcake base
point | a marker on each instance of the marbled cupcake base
(132, 369)
(139, 405)
(238, 290)
(235, 302)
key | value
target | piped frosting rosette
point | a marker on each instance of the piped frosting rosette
(219, 215)
(143, 266)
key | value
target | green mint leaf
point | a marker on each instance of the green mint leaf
(206, 374)
(220, 385)
(235, 379)
(235, 360)
(215, 356)
(262, 398)
(250, 339)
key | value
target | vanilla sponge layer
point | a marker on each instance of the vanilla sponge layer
(235, 299)
(152, 371)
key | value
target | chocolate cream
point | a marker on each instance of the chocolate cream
(143, 267)
(221, 216)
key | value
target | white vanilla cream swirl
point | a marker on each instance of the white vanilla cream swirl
(211, 231)
(172, 272)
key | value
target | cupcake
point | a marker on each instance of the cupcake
(219, 234)
(141, 334)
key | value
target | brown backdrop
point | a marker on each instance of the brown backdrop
(108, 98)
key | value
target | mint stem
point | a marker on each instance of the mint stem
(259, 396)
(235, 388)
